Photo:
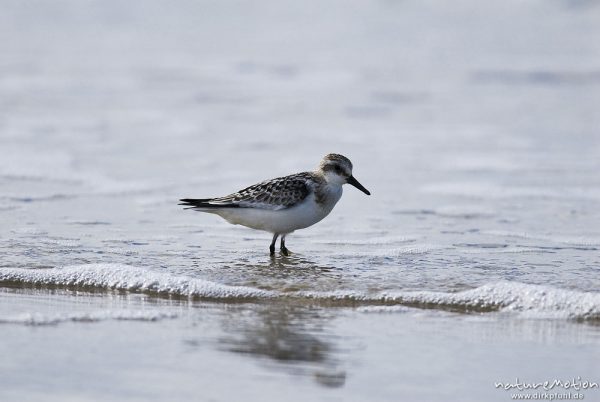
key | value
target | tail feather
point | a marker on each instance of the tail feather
(193, 203)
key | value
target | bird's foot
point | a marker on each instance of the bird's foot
(272, 249)
(285, 251)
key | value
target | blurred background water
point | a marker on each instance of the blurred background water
(475, 126)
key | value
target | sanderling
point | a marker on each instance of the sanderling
(284, 204)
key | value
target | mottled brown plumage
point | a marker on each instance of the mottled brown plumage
(279, 193)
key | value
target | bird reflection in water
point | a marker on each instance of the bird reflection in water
(292, 336)
(294, 272)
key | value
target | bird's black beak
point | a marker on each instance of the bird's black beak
(355, 183)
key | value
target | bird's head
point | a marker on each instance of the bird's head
(337, 169)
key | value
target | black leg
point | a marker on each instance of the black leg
(272, 246)
(284, 249)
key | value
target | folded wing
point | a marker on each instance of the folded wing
(275, 194)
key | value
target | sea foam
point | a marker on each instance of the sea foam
(125, 277)
(525, 299)
(507, 297)
(38, 318)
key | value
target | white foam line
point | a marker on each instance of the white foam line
(124, 277)
(532, 300)
(574, 241)
(386, 309)
(372, 241)
(506, 250)
(95, 316)
(423, 248)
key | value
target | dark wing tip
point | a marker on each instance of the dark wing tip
(194, 202)
(203, 203)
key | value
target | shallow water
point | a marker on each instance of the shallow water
(474, 261)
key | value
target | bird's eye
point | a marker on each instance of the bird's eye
(338, 169)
